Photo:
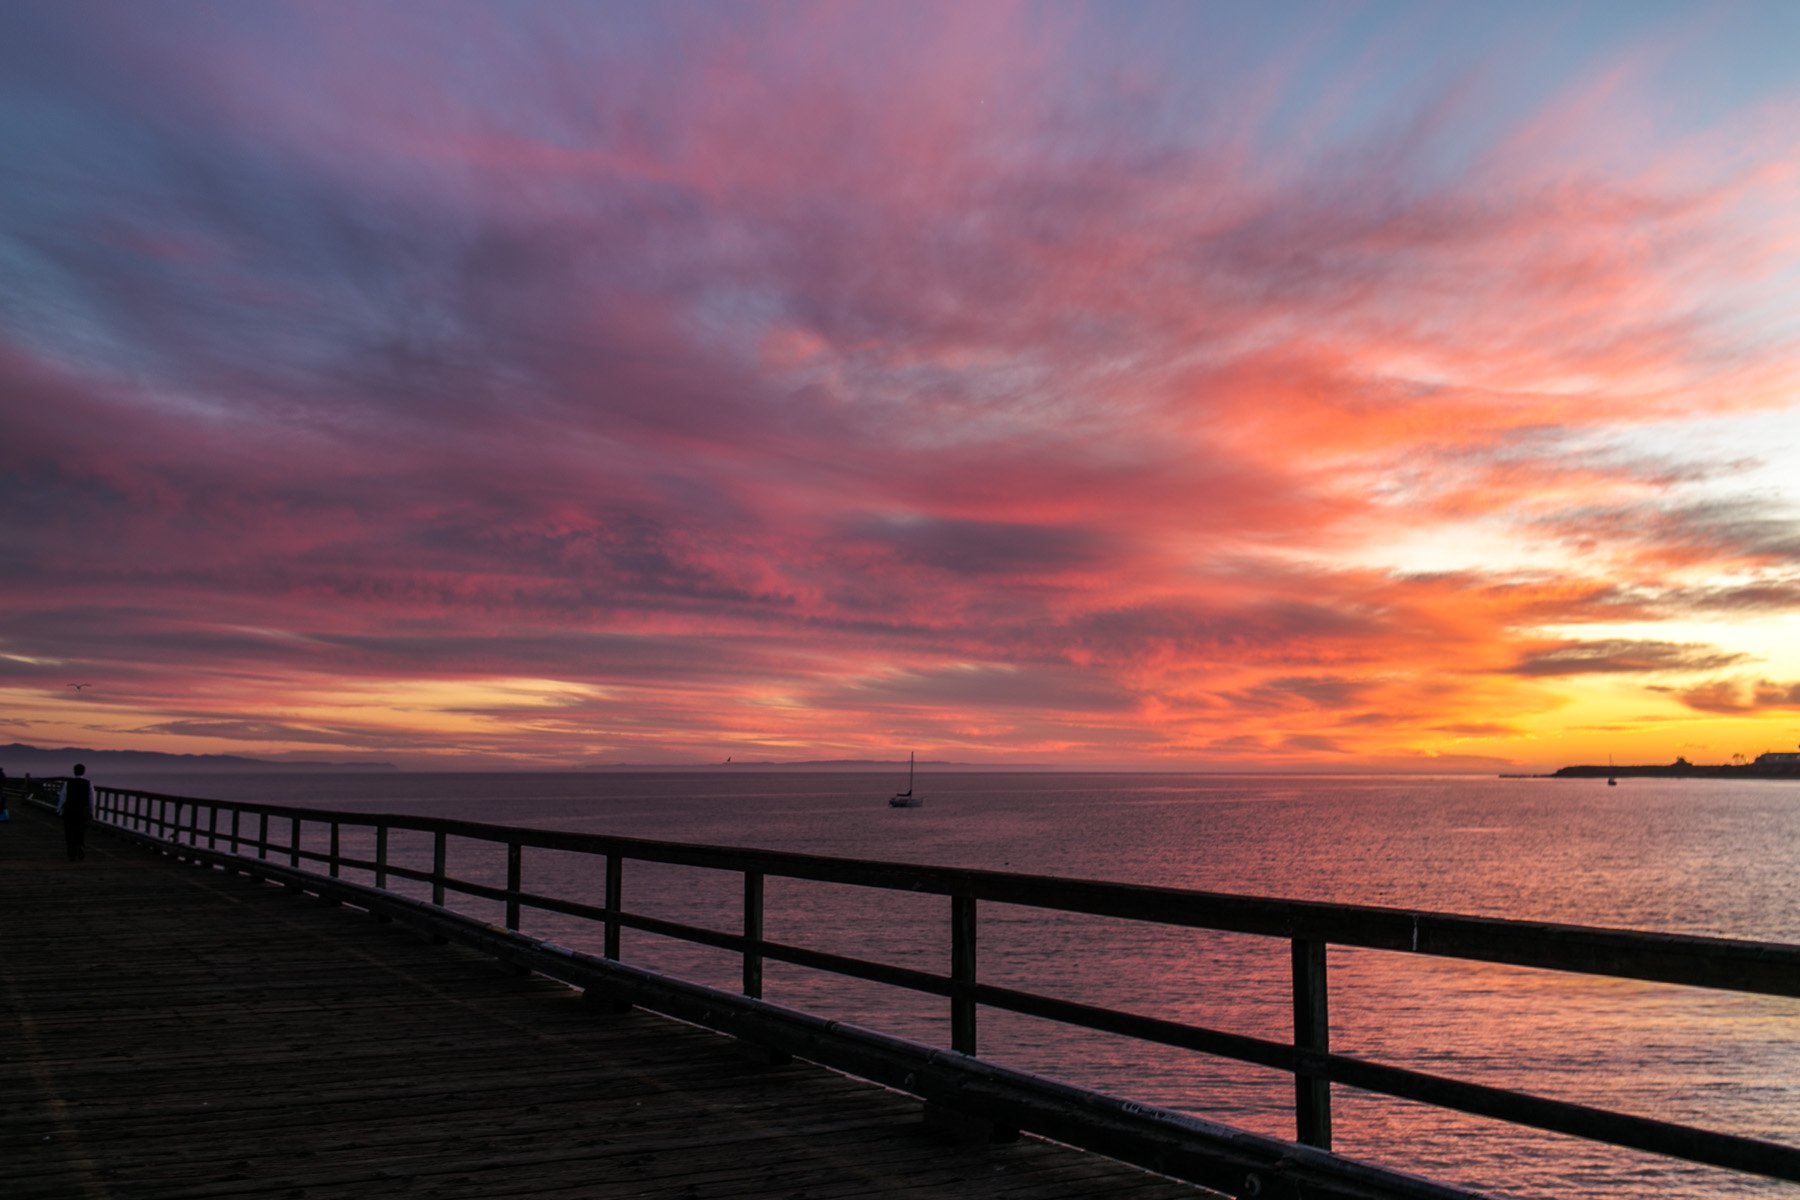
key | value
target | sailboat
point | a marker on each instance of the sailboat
(1611, 779)
(906, 799)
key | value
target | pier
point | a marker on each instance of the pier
(186, 1033)
(233, 999)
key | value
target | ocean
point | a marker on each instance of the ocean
(1688, 856)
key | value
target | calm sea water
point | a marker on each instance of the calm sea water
(1694, 856)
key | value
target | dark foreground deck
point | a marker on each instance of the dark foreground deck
(168, 1031)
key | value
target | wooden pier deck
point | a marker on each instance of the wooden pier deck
(169, 1031)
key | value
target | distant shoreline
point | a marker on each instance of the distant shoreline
(1676, 770)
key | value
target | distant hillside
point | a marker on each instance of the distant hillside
(1681, 768)
(20, 759)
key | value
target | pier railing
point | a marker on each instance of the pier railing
(285, 843)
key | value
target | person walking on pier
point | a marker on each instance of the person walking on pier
(78, 802)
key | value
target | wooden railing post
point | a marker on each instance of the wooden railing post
(262, 836)
(515, 854)
(237, 818)
(333, 861)
(194, 825)
(1312, 1031)
(381, 839)
(212, 827)
(437, 867)
(439, 858)
(294, 843)
(962, 974)
(753, 934)
(614, 894)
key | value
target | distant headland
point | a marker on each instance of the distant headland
(18, 759)
(1777, 765)
(808, 764)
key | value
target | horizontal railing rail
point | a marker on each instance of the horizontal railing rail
(264, 832)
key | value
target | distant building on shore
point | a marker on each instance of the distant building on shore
(1779, 758)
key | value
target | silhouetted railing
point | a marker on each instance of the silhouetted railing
(274, 835)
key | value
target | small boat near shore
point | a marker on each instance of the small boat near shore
(906, 799)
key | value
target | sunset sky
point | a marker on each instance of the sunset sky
(1175, 386)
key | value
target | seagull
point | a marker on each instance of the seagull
(79, 686)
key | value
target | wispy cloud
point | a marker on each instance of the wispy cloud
(1615, 656)
(1734, 697)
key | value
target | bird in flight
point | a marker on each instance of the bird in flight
(79, 686)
